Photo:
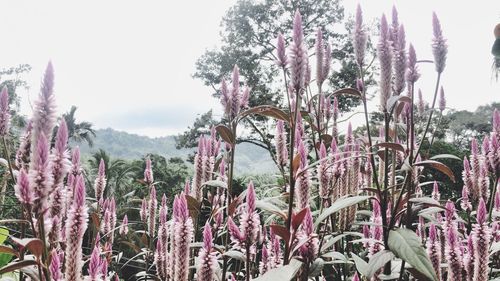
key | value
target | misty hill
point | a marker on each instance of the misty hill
(250, 159)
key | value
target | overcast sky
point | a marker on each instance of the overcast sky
(128, 64)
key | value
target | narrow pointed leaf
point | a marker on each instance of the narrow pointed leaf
(338, 205)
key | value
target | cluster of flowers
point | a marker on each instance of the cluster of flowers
(51, 188)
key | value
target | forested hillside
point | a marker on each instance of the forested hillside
(250, 159)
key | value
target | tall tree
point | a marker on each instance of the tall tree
(79, 131)
(249, 31)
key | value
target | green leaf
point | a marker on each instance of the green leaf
(361, 264)
(377, 261)
(215, 183)
(406, 245)
(4, 234)
(445, 156)
(269, 207)
(284, 273)
(338, 205)
(316, 267)
(236, 255)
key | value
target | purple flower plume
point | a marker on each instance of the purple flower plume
(360, 37)
(183, 236)
(4, 112)
(439, 46)
(282, 60)
(384, 53)
(298, 55)
(207, 261)
(76, 225)
(44, 113)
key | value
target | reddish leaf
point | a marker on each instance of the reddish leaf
(225, 134)
(234, 204)
(348, 91)
(266, 110)
(34, 245)
(193, 206)
(281, 231)
(438, 166)
(298, 218)
(391, 145)
(327, 139)
(295, 164)
(8, 250)
(95, 220)
(392, 101)
(16, 265)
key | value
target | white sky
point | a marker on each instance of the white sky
(128, 64)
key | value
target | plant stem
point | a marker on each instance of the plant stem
(430, 115)
(229, 195)
(7, 155)
(293, 121)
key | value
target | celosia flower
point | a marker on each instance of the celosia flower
(439, 46)
(100, 181)
(40, 174)
(303, 181)
(280, 141)
(355, 277)
(481, 238)
(234, 231)
(124, 226)
(323, 172)
(225, 99)
(452, 247)
(282, 60)
(76, 225)
(434, 250)
(310, 249)
(360, 37)
(376, 229)
(95, 265)
(298, 55)
(320, 58)
(442, 100)
(249, 220)
(55, 266)
(207, 261)
(412, 73)
(4, 112)
(245, 97)
(23, 190)
(469, 259)
(183, 235)
(153, 203)
(399, 60)
(44, 113)
(198, 170)
(148, 172)
(384, 53)
(143, 212)
(465, 202)
(435, 192)
(24, 150)
(235, 93)
(421, 103)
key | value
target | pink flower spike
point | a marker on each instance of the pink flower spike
(439, 46)
(412, 73)
(442, 100)
(55, 266)
(148, 172)
(482, 213)
(250, 198)
(124, 226)
(4, 112)
(282, 60)
(23, 190)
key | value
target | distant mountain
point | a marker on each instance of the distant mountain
(250, 159)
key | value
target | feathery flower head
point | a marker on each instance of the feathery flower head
(435, 191)
(95, 263)
(44, 113)
(4, 112)
(320, 53)
(482, 213)
(124, 226)
(100, 181)
(412, 73)
(465, 204)
(360, 37)
(400, 61)
(442, 100)
(148, 172)
(144, 210)
(55, 266)
(250, 197)
(234, 231)
(450, 210)
(384, 53)
(23, 190)
(181, 211)
(225, 96)
(496, 121)
(280, 142)
(298, 55)
(282, 60)
(40, 173)
(439, 46)
(207, 237)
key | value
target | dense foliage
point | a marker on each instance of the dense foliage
(343, 206)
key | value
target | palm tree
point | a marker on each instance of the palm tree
(79, 132)
(119, 173)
